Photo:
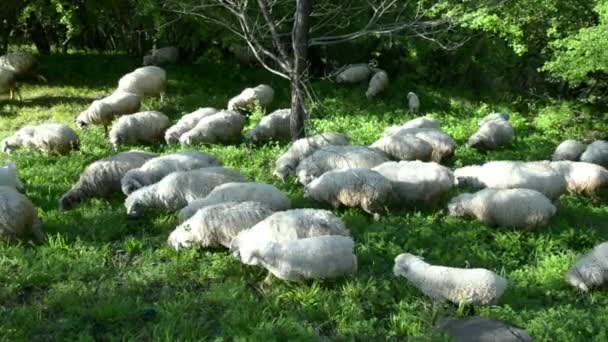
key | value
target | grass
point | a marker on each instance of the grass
(102, 276)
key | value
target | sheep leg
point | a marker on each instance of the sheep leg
(105, 128)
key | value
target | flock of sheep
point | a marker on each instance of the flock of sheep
(218, 206)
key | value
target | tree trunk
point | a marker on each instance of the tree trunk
(299, 40)
(38, 35)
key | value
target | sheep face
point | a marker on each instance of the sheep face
(116, 140)
(80, 123)
(283, 171)
(181, 238)
(68, 202)
(6, 146)
(574, 278)
(403, 262)
(132, 181)
(457, 206)
(134, 208)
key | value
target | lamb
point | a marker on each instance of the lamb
(285, 226)
(582, 178)
(320, 257)
(569, 150)
(404, 147)
(164, 55)
(218, 224)
(18, 216)
(157, 168)
(8, 83)
(475, 286)
(591, 270)
(337, 158)
(186, 123)
(8, 176)
(377, 84)
(421, 122)
(102, 112)
(482, 329)
(302, 148)
(413, 102)
(495, 131)
(23, 64)
(596, 153)
(144, 81)
(354, 73)
(142, 127)
(223, 127)
(50, 138)
(261, 95)
(102, 178)
(416, 180)
(274, 126)
(178, 189)
(266, 194)
(517, 208)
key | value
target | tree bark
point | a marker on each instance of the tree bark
(38, 35)
(299, 40)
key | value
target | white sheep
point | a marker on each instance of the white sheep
(261, 95)
(8, 83)
(222, 127)
(186, 123)
(354, 73)
(596, 153)
(442, 143)
(582, 178)
(420, 122)
(157, 168)
(591, 270)
(495, 131)
(476, 286)
(404, 147)
(216, 225)
(516, 208)
(23, 64)
(8, 176)
(413, 102)
(18, 216)
(377, 84)
(144, 81)
(102, 178)
(50, 138)
(569, 150)
(176, 190)
(274, 126)
(416, 180)
(139, 128)
(266, 194)
(286, 164)
(338, 157)
(286, 226)
(103, 112)
(164, 55)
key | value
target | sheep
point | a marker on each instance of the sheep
(596, 153)
(102, 178)
(285, 226)
(443, 144)
(274, 126)
(222, 127)
(286, 164)
(164, 55)
(23, 64)
(539, 176)
(148, 80)
(475, 286)
(354, 73)
(591, 270)
(377, 84)
(569, 150)
(178, 189)
(582, 178)
(261, 95)
(142, 127)
(50, 138)
(8, 83)
(102, 112)
(243, 54)
(351, 188)
(495, 131)
(413, 102)
(218, 224)
(8, 176)
(18, 216)
(516, 208)
(416, 180)
(157, 168)
(320, 257)
(267, 194)
(421, 122)
(186, 123)
(404, 147)
(337, 158)
(482, 329)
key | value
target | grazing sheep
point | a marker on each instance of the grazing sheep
(582, 178)
(591, 270)
(23, 64)
(261, 95)
(354, 73)
(377, 84)
(102, 112)
(50, 138)
(476, 286)
(569, 150)
(18, 216)
(164, 55)
(139, 128)
(8, 176)
(8, 83)
(404, 147)
(421, 122)
(539, 176)
(517, 208)
(416, 180)
(148, 80)
(274, 126)
(176, 190)
(413, 102)
(352, 188)
(266, 194)
(319, 257)
(596, 153)
(443, 144)
(495, 131)
(482, 329)
(286, 226)
(222, 127)
(338, 157)
(286, 164)
(186, 123)
(102, 178)
(157, 168)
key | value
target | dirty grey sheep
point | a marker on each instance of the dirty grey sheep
(569, 150)
(377, 84)
(482, 329)
(274, 126)
(186, 123)
(50, 138)
(23, 64)
(161, 56)
(596, 153)
(18, 216)
(354, 73)
(8, 84)
(591, 270)
(223, 127)
(139, 128)
(404, 147)
(582, 178)
(420, 122)
(8, 176)
(494, 132)
(103, 112)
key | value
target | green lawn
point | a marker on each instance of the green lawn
(105, 277)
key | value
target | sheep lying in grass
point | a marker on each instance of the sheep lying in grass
(582, 178)
(139, 128)
(495, 131)
(377, 84)
(162, 56)
(286, 164)
(8, 176)
(103, 112)
(596, 153)
(274, 126)
(8, 83)
(18, 216)
(404, 147)
(421, 122)
(222, 127)
(50, 138)
(569, 150)
(261, 95)
(443, 144)
(285, 226)
(102, 178)
(186, 123)
(413, 102)
(354, 73)
(266, 194)
(517, 208)
(157, 168)
(476, 286)
(338, 157)
(175, 191)
(482, 329)
(218, 224)
(144, 81)
(23, 64)
(591, 270)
